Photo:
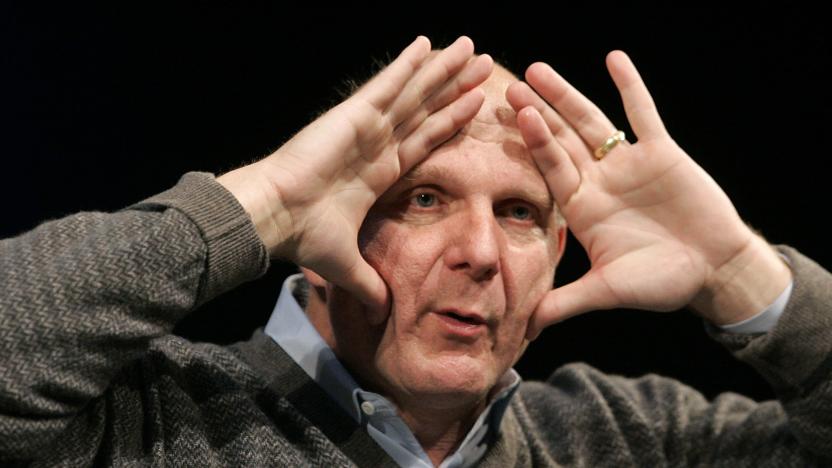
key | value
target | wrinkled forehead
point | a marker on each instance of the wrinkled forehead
(494, 126)
(488, 152)
(496, 120)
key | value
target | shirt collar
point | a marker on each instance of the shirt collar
(290, 328)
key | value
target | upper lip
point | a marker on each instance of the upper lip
(470, 315)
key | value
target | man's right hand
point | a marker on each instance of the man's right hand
(309, 198)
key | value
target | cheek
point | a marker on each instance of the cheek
(403, 255)
(532, 270)
(529, 276)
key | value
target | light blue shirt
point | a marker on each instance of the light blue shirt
(290, 328)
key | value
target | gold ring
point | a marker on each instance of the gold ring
(608, 145)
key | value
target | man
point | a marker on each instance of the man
(425, 212)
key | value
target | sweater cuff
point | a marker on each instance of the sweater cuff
(797, 352)
(235, 253)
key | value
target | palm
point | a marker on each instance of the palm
(646, 214)
(631, 216)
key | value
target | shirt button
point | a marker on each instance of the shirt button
(368, 408)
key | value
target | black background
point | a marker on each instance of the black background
(103, 107)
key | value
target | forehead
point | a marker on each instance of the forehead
(488, 153)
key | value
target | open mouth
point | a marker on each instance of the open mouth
(470, 320)
(462, 318)
(464, 325)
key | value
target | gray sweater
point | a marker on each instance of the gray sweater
(91, 375)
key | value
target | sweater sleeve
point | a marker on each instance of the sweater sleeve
(795, 357)
(84, 295)
(584, 416)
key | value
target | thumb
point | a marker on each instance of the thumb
(364, 282)
(583, 295)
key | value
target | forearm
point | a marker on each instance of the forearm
(658, 415)
(84, 295)
(795, 355)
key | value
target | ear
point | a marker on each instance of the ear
(313, 278)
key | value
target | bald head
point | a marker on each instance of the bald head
(496, 113)
(496, 123)
(495, 93)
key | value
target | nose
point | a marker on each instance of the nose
(476, 245)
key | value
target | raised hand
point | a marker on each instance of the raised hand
(320, 184)
(659, 232)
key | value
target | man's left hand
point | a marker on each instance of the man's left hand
(659, 232)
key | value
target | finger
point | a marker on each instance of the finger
(638, 104)
(586, 294)
(438, 128)
(475, 72)
(382, 89)
(520, 95)
(429, 78)
(591, 124)
(560, 173)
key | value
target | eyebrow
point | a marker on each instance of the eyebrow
(527, 192)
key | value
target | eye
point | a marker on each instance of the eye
(520, 212)
(425, 200)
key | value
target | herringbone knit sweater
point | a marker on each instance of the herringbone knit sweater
(91, 375)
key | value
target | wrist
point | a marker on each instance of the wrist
(743, 286)
(262, 202)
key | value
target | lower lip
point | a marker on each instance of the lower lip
(460, 328)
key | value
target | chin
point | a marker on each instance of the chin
(447, 380)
